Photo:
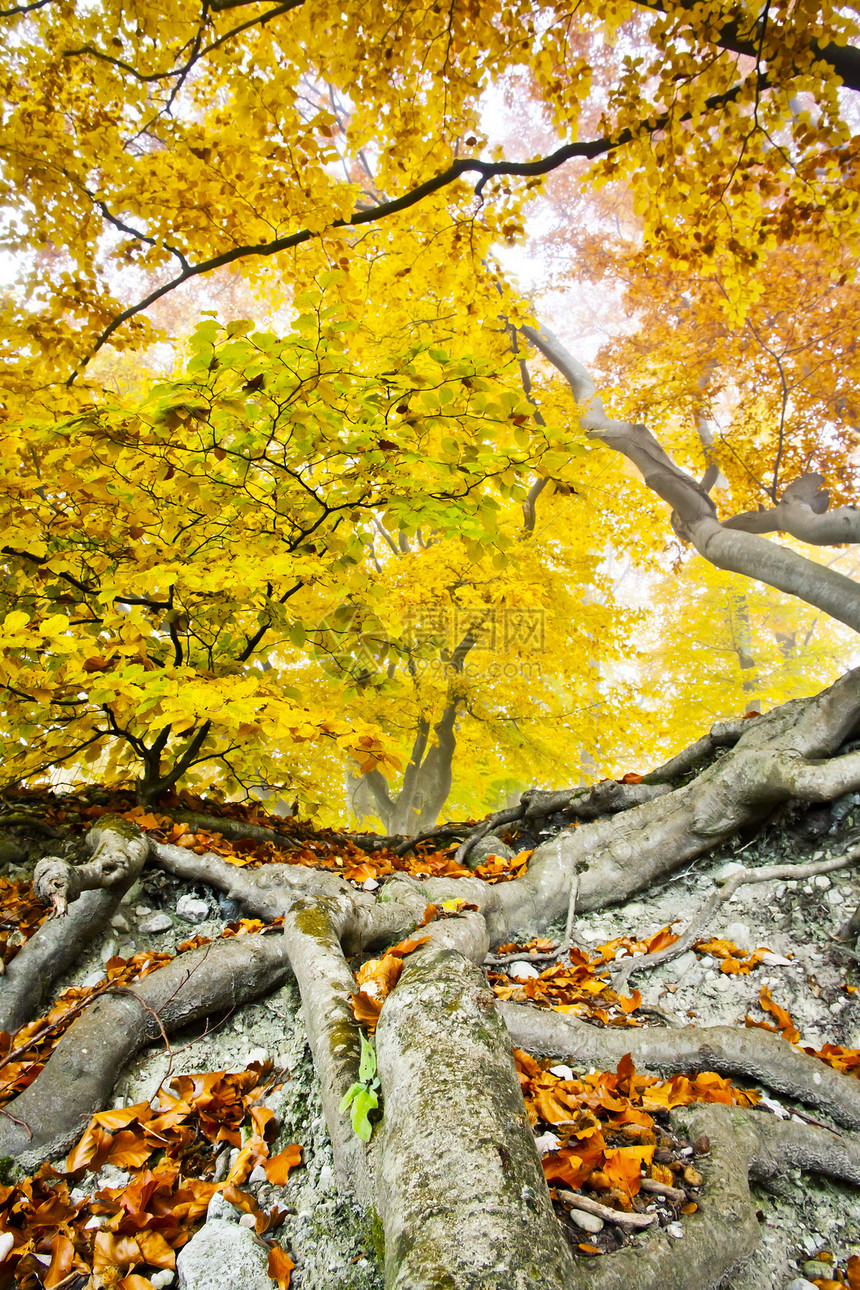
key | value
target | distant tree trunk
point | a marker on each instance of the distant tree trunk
(428, 776)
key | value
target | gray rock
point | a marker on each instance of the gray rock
(192, 908)
(588, 1222)
(223, 1256)
(157, 923)
(800, 1283)
(230, 909)
(488, 846)
(822, 1271)
(220, 1210)
(11, 852)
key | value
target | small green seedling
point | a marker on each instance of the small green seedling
(362, 1097)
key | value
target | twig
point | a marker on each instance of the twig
(618, 1216)
(663, 1189)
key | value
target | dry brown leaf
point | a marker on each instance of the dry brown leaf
(279, 1166)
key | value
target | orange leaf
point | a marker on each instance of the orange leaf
(623, 1167)
(784, 1021)
(278, 1168)
(92, 1150)
(62, 1254)
(123, 1116)
(280, 1266)
(588, 1249)
(365, 1010)
(134, 1281)
(852, 1272)
(631, 1004)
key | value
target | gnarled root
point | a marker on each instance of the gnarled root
(47, 1117)
(90, 893)
(756, 1054)
(462, 1196)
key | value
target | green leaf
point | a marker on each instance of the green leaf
(365, 1102)
(367, 1065)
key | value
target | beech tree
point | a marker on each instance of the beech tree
(183, 551)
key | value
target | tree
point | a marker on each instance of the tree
(180, 554)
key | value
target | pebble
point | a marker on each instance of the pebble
(119, 923)
(369, 884)
(193, 909)
(561, 1071)
(722, 983)
(142, 910)
(800, 1283)
(7, 1241)
(588, 1222)
(108, 950)
(522, 971)
(158, 923)
(676, 1230)
(257, 1055)
(247, 1220)
(230, 909)
(834, 896)
(821, 880)
(814, 1269)
(164, 1277)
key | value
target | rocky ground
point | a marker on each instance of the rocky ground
(335, 1245)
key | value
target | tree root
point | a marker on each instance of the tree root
(326, 986)
(755, 1054)
(622, 970)
(49, 1116)
(95, 890)
(462, 1196)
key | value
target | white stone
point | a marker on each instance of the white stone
(164, 1277)
(587, 1222)
(522, 971)
(257, 1175)
(256, 1055)
(7, 1240)
(119, 923)
(545, 1143)
(726, 871)
(158, 923)
(223, 1256)
(740, 934)
(192, 908)
(775, 960)
(142, 910)
(834, 896)
(723, 983)
(800, 1283)
(683, 964)
(370, 884)
(821, 880)
(676, 1230)
(562, 1071)
(247, 1220)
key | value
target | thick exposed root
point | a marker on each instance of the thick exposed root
(326, 986)
(462, 1196)
(85, 897)
(754, 1054)
(49, 1115)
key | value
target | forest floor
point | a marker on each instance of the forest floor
(803, 983)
